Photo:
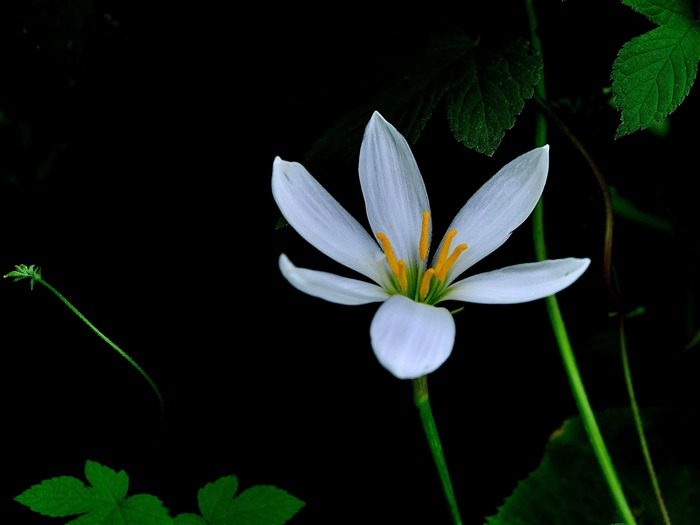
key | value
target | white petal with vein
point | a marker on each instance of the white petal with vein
(520, 283)
(331, 287)
(411, 339)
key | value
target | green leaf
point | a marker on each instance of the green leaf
(568, 487)
(485, 103)
(107, 484)
(483, 87)
(103, 503)
(57, 497)
(653, 72)
(259, 505)
(263, 505)
(213, 499)
(22, 271)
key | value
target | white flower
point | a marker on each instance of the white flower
(410, 335)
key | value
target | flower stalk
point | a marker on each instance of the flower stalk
(422, 400)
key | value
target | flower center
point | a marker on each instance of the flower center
(422, 285)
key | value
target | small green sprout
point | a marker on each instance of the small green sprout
(33, 273)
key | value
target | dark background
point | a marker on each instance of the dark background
(136, 152)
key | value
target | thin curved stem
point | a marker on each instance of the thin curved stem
(638, 422)
(422, 400)
(106, 340)
(604, 193)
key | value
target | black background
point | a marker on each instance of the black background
(156, 220)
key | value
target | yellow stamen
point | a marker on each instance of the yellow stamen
(423, 246)
(403, 281)
(444, 251)
(398, 267)
(450, 261)
(425, 283)
(390, 257)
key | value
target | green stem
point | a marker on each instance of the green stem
(422, 400)
(587, 415)
(615, 296)
(105, 339)
(559, 328)
(638, 422)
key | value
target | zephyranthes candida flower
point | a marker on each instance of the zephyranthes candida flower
(412, 336)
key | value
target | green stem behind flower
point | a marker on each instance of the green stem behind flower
(615, 296)
(586, 412)
(562, 338)
(638, 422)
(422, 400)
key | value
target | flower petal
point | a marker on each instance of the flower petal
(323, 222)
(411, 339)
(331, 287)
(498, 207)
(518, 284)
(393, 188)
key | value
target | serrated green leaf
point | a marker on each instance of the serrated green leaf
(485, 103)
(57, 497)
(214, 497)
(262, 505)
(568, 487)
(484, 89)
(103, 503)
(431, 76)
(258, 505)
(653, 73)
(107, 484)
